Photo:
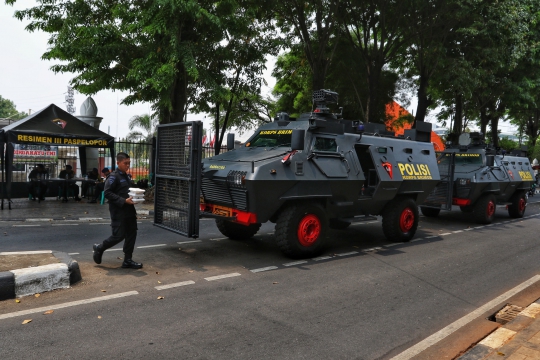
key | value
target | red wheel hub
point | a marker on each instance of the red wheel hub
(406, 220)
(490, 209)
(309, 230)
(521, 205)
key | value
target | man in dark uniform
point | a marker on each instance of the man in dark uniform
(37, 181)
(123, 213)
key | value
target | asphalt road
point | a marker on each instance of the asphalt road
(365, 299)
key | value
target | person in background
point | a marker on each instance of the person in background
(68, 173)
(92, 175)
(123, 213)
(100, 185)
(37, 181)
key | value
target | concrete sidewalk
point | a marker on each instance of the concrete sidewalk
(518, 339)
(53, 209)
(61, 270)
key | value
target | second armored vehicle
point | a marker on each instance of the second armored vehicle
(477, 179)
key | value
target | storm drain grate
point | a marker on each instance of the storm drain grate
(506, 314)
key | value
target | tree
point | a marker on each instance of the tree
(9, 111)
(144, 122)
(311, 24)
(153, 49)
(378, 31)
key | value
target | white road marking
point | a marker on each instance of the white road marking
(468, 229)
(458, 324)
(90, 218)
(457, 231)
(178, 284)
(99, 223)
(65, 305)
(431, 237)
(25, 225)
(479, 227)
(73, 254)
(348, 253)
(64, 224)
(445, 234)
(417, 239)
(114, 250)
(322, 258)
(264, 269)
(38, 220)
(295, 263)
(189, 242)
(150, 246)
(396, 244)
(217, 239)
(212, 278)
(372, 249)
(27, 252)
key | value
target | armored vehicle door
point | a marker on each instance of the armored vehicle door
(379, 169)
(441, 196)
(327, 157)
(178, 177)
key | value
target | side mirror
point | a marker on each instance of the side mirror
(490, 160)
(230, 141)
(297, 139)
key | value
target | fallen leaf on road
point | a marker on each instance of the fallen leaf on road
(275, 282)
(48, 312)
(159, 282)
(157, 272)
(160, 297)
(99, 317)
(26, 321)
(86, 212)
(17, 301)
(119, 258)
(190, 271)
(37, 295)
(103, 290)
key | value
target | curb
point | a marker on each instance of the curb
(502, 335)
(30, 281)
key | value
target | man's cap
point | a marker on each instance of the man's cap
(69, 167)
(105, 170)
(94, 170)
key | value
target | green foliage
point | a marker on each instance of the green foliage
(9, 111)
(507, 144)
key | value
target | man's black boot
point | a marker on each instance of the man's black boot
(98, 253)
(128, 263)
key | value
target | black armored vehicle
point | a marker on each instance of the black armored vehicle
(477, 178)
(304, 175)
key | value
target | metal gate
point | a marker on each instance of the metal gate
(178, 177)
(441, 196)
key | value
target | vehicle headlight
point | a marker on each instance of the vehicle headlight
(464, 181)
(236, 178)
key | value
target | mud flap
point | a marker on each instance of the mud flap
(178, 177)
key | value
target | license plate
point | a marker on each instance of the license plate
(222, 211)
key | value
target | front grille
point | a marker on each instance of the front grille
(217, 192)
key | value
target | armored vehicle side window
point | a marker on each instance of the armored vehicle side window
(325, 144)
(462, 159)
(271, 138)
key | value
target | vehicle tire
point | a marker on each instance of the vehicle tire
(430, 212)
(400, 219)
(519, 204)
(236, 231)
(338, 224)
(301, 230)
(484, 209)
(466, 209)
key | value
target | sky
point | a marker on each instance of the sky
(27, 80)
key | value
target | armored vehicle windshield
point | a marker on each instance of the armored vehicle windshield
(271, 138)
(461, 159)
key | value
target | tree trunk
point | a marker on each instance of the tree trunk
(458, 120)
(216, 127)
(373, 84)
(423, 99)
(178, 99)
